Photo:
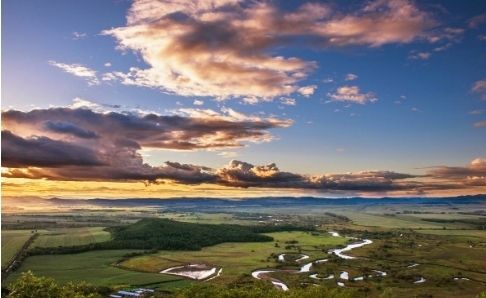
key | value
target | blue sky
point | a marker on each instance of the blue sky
(319, 88)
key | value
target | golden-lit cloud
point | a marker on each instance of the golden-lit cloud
(79, 71)
(352, 94)
(477, 168)
(224, 48)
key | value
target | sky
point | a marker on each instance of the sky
(238, 98)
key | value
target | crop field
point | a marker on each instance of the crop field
(96, 268)
(12, 242)
(72, 236)
(238, 259)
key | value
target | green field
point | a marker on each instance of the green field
(238, 259)
(95, 268)
(71, 237)
(443, 250)
(12, 242)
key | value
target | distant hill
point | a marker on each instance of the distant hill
(225, 205)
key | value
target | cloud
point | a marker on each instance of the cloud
(236, 174)
(480, 124)
(35, 146)
(416, 110)
(446, 34)
(476, 112)
(482, 37)
(79, 71)
(187, 129)
(416, 192)
(350, 77)
(423, 56)
(328, 80)
(65, 127)
(352, 94)
(224, 48)
(443, 48)
(77, 35)
(198, 102)
(477, 168)
(397, 102)
(253, 100)
(242, 174)
(229, 154)
(108, 64)
(474, 22)
(85, 145)
(475, 181)
(480, 87)
(376, 24)
(307, 90)
(287, 101)
(35, 151)
(341, 150)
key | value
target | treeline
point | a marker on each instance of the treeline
(341, 217)
(465, 221)
(63, 250)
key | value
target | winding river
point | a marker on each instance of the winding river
(262, 274)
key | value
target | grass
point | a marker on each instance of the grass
(12, 242)
(462, 233)
(71, 237)
(238, 259)
(95, 268)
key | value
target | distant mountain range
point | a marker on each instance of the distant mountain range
(202, 203)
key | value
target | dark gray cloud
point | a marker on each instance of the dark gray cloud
(69, 128)
(192, 132)
(18, 152)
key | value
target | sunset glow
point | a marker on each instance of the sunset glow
(236, 98)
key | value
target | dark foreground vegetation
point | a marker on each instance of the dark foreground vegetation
(28, 285)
